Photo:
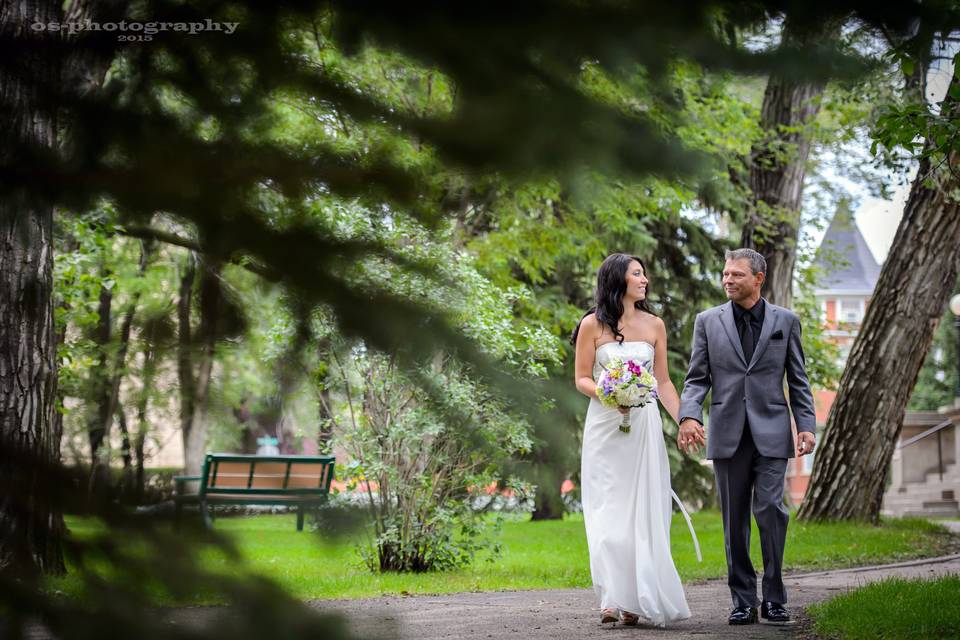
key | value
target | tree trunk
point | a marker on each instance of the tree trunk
(195, 377)
(548, 503)
(109, 375)
(327, 422)
(126, 488)
(777, 171)
(850, 470)
(100, 413)
(185, 359)
(31, 526)
(320, 382)
(143, 400)
(120, 363)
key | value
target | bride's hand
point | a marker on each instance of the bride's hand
(690, 435)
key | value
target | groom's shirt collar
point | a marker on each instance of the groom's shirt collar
(756, 313)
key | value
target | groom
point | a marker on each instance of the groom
(742, 350)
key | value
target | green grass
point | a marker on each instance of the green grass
(538, 555)
(893, 609)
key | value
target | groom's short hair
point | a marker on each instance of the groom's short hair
(757, 262)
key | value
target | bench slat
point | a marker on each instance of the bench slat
(268, 475)
(230, 474)
(306, 475)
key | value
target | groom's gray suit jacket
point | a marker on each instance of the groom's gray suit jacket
(748, 393)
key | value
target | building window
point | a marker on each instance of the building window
(851, 309)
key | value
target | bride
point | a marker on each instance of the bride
(626, 476)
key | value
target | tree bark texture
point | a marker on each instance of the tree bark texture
(31, 526)
(850, 469)
(777, 172)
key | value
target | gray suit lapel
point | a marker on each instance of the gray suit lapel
(730, 326)
(769, 319)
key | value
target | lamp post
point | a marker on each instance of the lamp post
(955, 310)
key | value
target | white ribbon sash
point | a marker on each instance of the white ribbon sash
(686, 516)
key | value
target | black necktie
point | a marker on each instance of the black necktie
(746, 337)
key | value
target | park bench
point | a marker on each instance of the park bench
(226, 478)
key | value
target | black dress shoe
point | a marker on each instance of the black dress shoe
(774, 612)
(743, 615)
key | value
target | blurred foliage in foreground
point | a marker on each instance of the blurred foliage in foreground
(121, 570)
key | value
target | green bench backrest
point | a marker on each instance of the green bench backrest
(249, 474)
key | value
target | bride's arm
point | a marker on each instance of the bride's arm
(585, 355)
(661, 371)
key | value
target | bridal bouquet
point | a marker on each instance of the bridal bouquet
(626, 383)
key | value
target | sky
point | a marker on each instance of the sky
(877, 218)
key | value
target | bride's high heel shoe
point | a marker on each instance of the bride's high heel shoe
(629, 619)
(609, 615)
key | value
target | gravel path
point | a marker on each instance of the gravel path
(568, 614)
(573, 613)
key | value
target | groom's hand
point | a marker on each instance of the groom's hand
(691, 435)
(805, 443)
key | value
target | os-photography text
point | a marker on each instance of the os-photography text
(137, 27)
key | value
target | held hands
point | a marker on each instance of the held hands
(691, 435)
(805, 443)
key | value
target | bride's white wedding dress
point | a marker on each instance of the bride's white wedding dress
(626, 504)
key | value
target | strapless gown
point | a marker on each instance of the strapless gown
(626, 498)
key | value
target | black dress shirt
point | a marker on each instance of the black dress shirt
(754, 316)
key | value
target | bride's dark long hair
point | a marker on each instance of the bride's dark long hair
(611, 285)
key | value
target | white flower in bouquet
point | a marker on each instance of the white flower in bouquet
(626, 383)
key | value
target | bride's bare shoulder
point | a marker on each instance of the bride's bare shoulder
(591, 327)
(653, 321)
(656, 325)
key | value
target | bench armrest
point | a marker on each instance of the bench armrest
(180, 483)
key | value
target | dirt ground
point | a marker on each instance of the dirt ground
(570, 614)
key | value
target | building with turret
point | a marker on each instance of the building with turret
(849, 273)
